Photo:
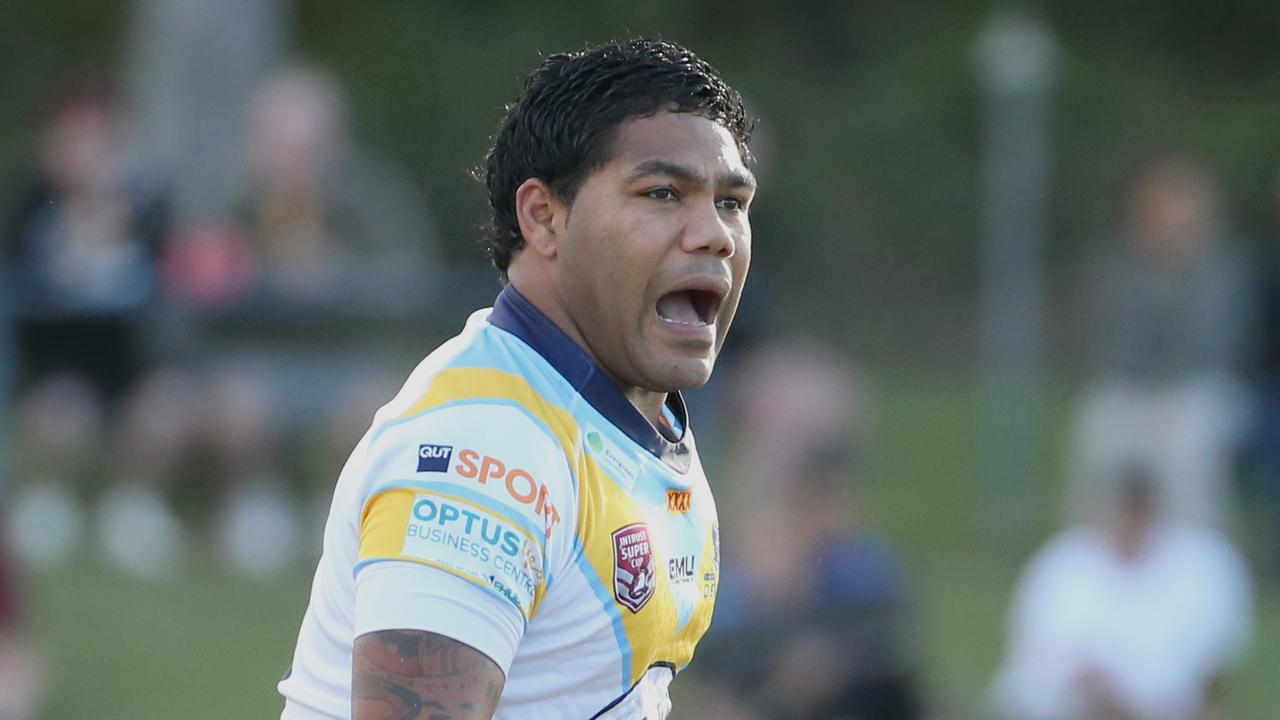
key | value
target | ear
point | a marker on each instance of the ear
(541, 217)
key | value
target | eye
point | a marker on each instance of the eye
(732, 204)
(663, 194)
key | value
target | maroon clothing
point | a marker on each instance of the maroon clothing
(9, 609)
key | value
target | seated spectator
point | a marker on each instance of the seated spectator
(95, 418)
(294, 289)
(1168, 325)
(809, 621)
(1141, 617)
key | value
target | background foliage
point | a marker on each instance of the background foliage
(870, 121)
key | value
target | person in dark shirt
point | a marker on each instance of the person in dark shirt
(813, 602)
(80, 251)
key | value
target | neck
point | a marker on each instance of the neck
(648, 402)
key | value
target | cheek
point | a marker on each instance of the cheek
(741, 260)
(742, 255)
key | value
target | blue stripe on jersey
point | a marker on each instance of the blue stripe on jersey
(469, 495)
(360, 565)
(605, 596)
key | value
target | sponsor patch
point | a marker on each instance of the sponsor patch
(709, 585)
(475, 543)
(434, 458)
(612, 458)
(521, 485)
(679, 501)
(633, 566)
(681, 568)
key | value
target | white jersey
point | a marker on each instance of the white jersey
(511, 498)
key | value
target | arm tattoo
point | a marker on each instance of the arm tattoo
(416, 675)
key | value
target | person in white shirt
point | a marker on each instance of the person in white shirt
(1136, 617)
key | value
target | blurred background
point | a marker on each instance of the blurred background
(997, 434)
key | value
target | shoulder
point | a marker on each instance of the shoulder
(485, 366)
(470, 424)
(1074, 553)
(1204, 551)
(464, 472)
(495, 445)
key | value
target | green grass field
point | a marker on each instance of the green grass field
(211, 647)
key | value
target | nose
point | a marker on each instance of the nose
(707, 232)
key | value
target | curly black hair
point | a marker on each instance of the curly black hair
(561, 127)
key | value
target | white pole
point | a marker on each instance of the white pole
(1016, 58)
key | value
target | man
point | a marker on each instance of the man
(526, 531)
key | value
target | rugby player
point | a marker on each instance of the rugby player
(526, 531)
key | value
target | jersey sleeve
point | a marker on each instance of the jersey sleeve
(468, 514)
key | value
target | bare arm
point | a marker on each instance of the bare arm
(417, 675)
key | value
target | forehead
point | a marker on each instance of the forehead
(685, 138)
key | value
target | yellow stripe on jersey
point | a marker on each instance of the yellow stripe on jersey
(652, 631)
(453, 384)
(383, 522)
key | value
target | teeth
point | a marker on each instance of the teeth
(695, 323)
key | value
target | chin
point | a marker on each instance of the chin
(685, 374)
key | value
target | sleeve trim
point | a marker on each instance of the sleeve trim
(438, 566)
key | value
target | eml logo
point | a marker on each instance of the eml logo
(434, 458)
(681, 568)
(679, 501)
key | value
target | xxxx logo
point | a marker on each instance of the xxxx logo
(679, 501)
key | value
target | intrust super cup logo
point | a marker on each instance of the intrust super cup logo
(633, 566)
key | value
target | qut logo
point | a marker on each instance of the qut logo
(434, 458)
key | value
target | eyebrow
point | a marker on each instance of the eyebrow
(684, 173)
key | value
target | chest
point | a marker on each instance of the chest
(650, 542)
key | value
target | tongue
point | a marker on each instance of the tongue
(678, 307)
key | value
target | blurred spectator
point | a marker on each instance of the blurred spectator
(1266, 440)
(191, 69)
(81, 248)
(325, 250)
(20, 667)
(1140, 617)
(810, 614)
(1168, 323)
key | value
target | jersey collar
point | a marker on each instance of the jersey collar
(515, 314)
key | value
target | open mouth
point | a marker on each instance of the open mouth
(692, 307)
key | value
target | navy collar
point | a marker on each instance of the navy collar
(515, 314)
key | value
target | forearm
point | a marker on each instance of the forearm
(411, 674)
